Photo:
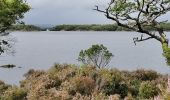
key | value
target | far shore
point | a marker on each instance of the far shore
(80, 28)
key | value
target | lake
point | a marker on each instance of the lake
(41, 50)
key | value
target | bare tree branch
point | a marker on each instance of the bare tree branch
(136, 39)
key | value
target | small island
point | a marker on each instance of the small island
(8, 66)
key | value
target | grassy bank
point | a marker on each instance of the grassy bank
(70, 82)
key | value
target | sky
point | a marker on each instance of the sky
(55, 12)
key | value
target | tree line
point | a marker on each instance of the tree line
(92, 27)
(25, 28)
(102, 27)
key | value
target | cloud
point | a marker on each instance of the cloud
(64, 12)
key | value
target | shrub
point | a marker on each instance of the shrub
(134, 87)
(14, 93)
(70, 82)
(116, 88)
(145, 75)
(97, 55)
(3, 87)
(89, 71)
(56, 81)
(82, 85)
(148, 90)
(63, 72)
(112, 83)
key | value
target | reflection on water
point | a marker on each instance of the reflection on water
(40, 50)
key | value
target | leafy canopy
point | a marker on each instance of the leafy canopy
(10, 12)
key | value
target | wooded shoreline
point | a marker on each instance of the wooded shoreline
(90, 27)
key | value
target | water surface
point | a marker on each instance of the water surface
(40, 50)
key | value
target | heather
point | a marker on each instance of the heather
(71, 82)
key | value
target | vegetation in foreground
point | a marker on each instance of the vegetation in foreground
(70, 82)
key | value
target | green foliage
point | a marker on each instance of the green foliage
(134, 87)
(88, 71)
(25, 28)
(14, 93)
(11, 11)
(113, 83)
(107, 27)
(148, 90)
(145, 75)
(121, 7)
(92, 27)
(166, 53)
(141, 16)
(3, 88)
(97, 55)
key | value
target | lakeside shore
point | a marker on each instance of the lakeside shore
(90, 27)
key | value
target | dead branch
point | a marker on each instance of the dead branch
(136, 39)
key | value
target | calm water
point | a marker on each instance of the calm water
(40, 50)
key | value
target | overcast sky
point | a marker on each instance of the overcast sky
(65, 12)
(54, 12)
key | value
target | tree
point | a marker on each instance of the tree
(97, 55)
(136, 15)
(11, 11)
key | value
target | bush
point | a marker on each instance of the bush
(89, 71)
(134, 87)
(3, 87)
(112, 83)
(14, 93)
(148, 90)
(70, 82)
(144, 75)
(82, 85)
